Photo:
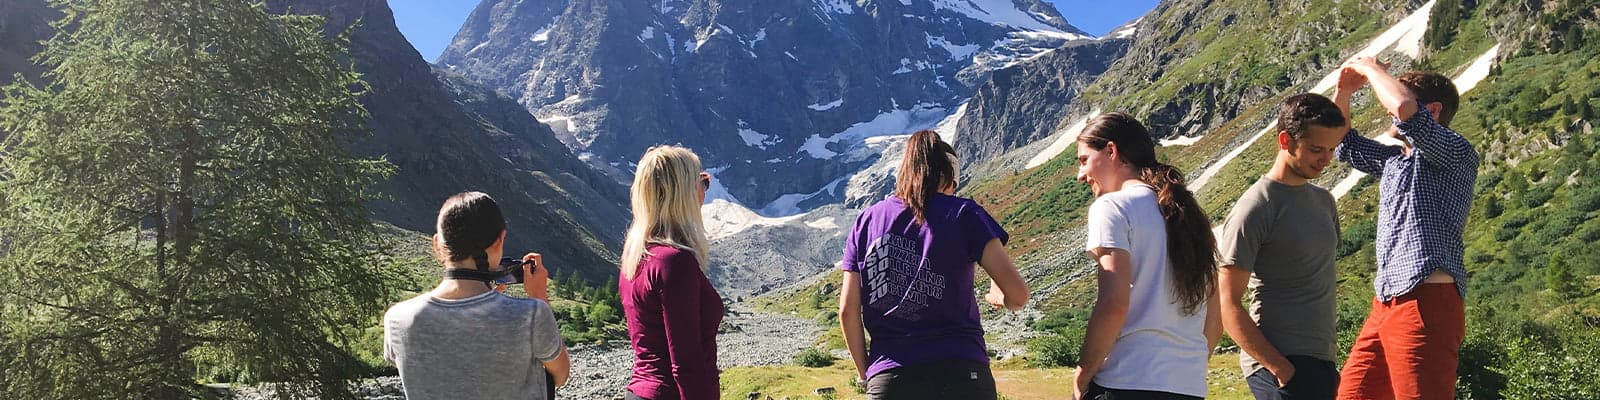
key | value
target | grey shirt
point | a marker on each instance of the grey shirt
(1287, 236)
(488, 346)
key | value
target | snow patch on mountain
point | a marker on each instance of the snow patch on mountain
(1064, 139)
(826, 106)
(1180, 141)
(751, 137)
(999, 12)
(894, 122)
(1126, 31)
(837, 6)
(957, 52)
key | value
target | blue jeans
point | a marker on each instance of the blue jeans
(1313, 378)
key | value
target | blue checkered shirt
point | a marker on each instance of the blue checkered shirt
(1423, 200)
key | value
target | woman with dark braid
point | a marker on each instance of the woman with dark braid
(466, 340)
(1155, 318)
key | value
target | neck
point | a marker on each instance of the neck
(1282, 174)
(451, 289)
(455, 289)
(1123, 183)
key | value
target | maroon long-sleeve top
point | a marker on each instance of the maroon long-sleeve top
(673, 314)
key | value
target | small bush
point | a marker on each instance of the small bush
(813, 358)
(1054, 350)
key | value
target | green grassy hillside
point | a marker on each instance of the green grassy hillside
(1534, 296)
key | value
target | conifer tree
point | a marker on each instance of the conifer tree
(177, 206)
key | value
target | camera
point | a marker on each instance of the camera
(510, 271)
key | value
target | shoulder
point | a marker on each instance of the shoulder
(888, 206)
(667, 262)
(1257, 197)
(668, 254)
(961, 205)
(1126, 197)
(407, 307)
(534, 305)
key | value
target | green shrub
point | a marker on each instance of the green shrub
(1054, 350)
(813, 358)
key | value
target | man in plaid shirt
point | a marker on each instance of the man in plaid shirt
(1410, 343)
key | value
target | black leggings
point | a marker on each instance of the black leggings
(946, 379)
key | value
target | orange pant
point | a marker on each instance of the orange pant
(1408, 348)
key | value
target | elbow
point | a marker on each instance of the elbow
(559, 378)
(1016, 302)
(1405, 108)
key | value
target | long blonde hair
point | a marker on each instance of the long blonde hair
(666, 206)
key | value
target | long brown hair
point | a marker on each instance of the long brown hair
(1190, 245)
(927, 167)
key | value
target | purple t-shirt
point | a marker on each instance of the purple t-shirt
(917, 298)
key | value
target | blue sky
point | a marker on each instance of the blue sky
(430, 24)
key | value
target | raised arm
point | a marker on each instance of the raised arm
(1396, 99)
(1365, 155)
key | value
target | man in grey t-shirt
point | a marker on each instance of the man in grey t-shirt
(1280, 238)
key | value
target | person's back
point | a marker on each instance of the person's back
(672, 312)
(919, 303)
(908, 270)
(1159, 347)
(466, 340)
(489, 346)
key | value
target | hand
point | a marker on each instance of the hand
(995, 298)
(1366, 65)
(1284, 373)
(1080, 382)
(535, 278)
(1350, 80)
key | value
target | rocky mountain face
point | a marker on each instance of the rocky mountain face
(446, 135)
(1183, 85)
(23, 23)
(1023, 104)
(770, 93)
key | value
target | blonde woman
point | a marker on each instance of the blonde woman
(672, 310)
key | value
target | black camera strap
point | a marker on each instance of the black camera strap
(472, 274)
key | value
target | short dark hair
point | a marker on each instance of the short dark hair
(1431, 87)
(1300, 111)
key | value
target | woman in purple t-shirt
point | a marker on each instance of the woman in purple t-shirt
(908, 277)
(671, 308)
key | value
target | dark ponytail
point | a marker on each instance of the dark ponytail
(927, 167)
(469, 222)
(1190, 244)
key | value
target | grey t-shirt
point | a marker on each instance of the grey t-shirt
(1287, 236)
(488, 346)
